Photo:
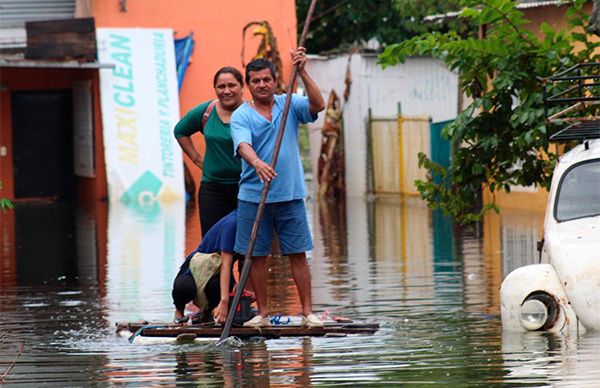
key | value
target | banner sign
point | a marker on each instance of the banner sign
(140, 107)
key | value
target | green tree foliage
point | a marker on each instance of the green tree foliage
(340, 24)
(502, 135)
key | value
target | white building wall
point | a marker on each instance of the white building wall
(422, 86)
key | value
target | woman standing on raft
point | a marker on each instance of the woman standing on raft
(217, 195)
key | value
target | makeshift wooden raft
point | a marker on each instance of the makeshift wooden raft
(209, 330)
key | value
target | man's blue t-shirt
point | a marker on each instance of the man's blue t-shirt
(221, 236)
(248, 126)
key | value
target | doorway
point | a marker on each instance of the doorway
(43, 144)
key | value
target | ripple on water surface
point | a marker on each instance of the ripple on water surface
(439, 318)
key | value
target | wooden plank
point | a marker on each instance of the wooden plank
(275, 331)
(62, 40)
(133, 326)
(81, 25)
(68, 40)
(245, 332)
(270, 332)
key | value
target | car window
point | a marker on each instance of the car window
(579, 192)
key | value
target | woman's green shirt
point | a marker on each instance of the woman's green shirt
(220, 166)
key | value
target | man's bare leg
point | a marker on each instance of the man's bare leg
(301, 275)
(259, 276)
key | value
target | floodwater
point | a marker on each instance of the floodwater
(69, 273)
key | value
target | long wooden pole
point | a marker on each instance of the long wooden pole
(265, 190)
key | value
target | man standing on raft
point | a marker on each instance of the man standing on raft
(254, 127)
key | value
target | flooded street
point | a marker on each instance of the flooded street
(69, 273)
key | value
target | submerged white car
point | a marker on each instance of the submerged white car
(562, 292)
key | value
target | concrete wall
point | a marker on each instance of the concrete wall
(423, 87)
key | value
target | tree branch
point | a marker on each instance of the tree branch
(510, 22)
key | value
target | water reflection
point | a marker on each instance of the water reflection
(145, 249)
(45, 243)
(40, 230)
(68, 273)
(546, 359)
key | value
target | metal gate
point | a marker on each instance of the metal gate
(394, 144)
(14, 13)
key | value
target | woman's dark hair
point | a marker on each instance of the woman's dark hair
(258, 65)
(231, 70)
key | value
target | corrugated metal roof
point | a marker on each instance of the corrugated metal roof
(525, 4)
(535, 4)
(14, 13)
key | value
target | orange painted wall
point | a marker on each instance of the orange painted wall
(554, 16)
(6, 165)
(8, 249)
(217, 27)
(8, 255)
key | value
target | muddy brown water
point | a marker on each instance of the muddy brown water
(68, 273)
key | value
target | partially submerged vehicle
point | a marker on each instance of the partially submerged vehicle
(562, 292)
